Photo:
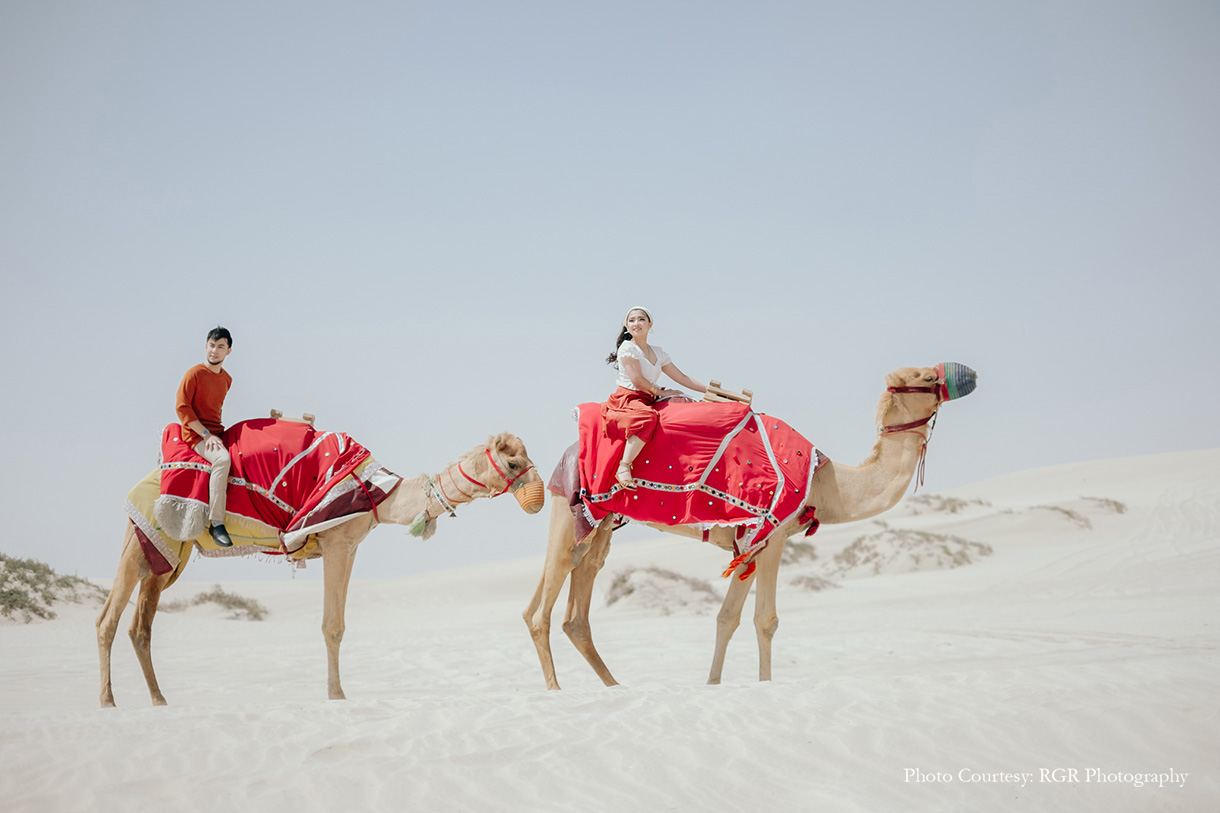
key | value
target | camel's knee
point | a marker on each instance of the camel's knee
(141, 637)
(540, 628)
(106, 626)
(577, 631)
(728, 619)
(768, 627)
(333, 633)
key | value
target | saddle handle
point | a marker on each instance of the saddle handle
(718, 395)
(306, 417)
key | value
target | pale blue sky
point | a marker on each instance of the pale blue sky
(423, 220)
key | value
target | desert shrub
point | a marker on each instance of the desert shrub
(796, 552)
(1075, 517)
(941, 504)
(239, 607)
(660, 589)
(813, 583)
(1114, 506)
(29, 589)
(902, 550)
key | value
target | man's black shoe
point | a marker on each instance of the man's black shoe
(220, 536)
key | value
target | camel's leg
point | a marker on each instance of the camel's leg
(125, 581)
(580, 595)
(559, 543)
(766, 621)
(727, 621)
(141, 630)
(338, 554)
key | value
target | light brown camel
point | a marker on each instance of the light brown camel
(840, 493)
(338, 549)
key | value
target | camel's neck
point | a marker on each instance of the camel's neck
(844, 493)
(411, 496)
(405, 502)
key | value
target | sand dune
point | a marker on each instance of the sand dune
(1040, 641)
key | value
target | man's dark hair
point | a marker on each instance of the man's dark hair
(217, 333)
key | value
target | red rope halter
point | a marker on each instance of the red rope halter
(508, 481)
(898, 429)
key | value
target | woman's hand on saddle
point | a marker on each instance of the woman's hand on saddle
(665, 392)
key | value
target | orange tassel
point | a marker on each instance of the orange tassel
(733, 565)
(738, 562)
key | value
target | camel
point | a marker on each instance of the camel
(839, 493)
(475, 475)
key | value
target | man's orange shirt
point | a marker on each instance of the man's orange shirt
(201, 395)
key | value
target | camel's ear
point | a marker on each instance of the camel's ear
(505, 443)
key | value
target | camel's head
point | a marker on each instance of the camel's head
(910, 393)
(917, 392)
(515, 468)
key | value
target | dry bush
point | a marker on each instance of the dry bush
(661, 590)
(239, 607)
(796, 552)
(1075, 517)
(902, 550)
(1113, 506)
(29, 589)
(813, 583)
(940, 504)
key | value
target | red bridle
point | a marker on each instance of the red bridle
(898, 429)
(508, 482)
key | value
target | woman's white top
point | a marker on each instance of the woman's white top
(652, 372)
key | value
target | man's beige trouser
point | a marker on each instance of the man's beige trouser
(219, 482)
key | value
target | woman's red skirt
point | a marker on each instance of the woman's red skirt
(630, 412)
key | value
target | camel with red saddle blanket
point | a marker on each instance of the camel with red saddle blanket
(341, 521)
(835, 493)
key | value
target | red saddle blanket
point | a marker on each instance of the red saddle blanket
(708, 464)
(285, 475)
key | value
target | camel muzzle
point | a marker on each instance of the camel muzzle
(531, 496)
(956, 380)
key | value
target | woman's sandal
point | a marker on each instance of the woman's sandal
(624, 477)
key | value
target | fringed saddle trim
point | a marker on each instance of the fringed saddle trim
(181, 518)
(152, 534)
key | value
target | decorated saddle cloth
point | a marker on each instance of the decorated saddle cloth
(708, 465)
(287, 482)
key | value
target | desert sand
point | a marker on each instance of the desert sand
(1047, 640)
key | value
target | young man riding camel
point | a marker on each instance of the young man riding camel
(201, 395)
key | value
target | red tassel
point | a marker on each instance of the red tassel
(809, 515)
(733, 565)
(738, 562)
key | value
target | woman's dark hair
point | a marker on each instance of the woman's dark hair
(623, 336)
(217, 333)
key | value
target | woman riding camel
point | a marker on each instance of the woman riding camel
(629, 413)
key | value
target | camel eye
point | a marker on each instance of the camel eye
(512, 466)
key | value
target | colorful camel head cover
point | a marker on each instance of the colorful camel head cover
(956, 380)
